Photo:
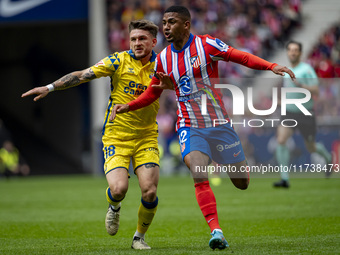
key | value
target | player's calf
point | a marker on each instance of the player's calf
(240, 183)
(239, 175)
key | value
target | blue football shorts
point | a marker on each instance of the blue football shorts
(220, 143)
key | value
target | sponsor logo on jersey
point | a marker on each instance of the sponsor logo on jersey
(221, 44)
(184, 85)
(135, 88)
(100, 63)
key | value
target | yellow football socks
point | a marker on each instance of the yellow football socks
(110, 199)
(146, 213)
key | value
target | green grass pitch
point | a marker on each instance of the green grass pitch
(65, 215)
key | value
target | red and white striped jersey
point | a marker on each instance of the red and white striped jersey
(194, 72)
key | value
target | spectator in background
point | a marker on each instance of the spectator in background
(325, 59)
(306, 78)
(10, 161)
(325, 55)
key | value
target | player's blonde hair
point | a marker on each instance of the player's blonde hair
(144, 24)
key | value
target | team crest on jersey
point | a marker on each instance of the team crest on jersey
(195, 61)
(100, 63)
(152, 73)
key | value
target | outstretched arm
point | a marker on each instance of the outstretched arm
(254, 62)
(70, 80)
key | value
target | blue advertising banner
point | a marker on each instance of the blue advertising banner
(42, 10)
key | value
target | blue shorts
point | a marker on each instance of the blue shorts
(220, 143)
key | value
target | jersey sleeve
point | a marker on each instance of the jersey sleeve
(217, 49)
(250, 60)
(107, 66)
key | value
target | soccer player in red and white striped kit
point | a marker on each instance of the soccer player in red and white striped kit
(189, 66)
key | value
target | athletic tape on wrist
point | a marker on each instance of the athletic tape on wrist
(50, 87)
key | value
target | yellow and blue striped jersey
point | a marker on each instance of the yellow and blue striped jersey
(129, 79)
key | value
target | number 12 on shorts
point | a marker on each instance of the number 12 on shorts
(109, 151)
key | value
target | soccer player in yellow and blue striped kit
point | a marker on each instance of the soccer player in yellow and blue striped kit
(133, 135)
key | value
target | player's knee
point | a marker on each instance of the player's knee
(149, 194)
(118, 191)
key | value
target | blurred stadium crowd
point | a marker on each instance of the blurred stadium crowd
(325, 55)
(325, 58)
(257, 26)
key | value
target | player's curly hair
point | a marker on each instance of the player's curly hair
(144, 24)
(181, 10)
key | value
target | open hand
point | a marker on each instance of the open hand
(166, 82)
(40, 91)
(119, 108)
(281, 70)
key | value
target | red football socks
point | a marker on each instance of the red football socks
(207, 203)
